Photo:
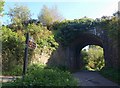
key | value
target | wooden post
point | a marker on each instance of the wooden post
(25, 55)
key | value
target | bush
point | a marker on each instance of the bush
(13, 45)
(38, 76)
(42, 36)
(12, 49)
(16, 71)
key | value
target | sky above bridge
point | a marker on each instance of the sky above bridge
(69, 9)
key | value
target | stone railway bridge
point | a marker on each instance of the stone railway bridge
(70, 56)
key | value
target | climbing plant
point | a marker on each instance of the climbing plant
(111, 25)
(67, 30)
(47, 40)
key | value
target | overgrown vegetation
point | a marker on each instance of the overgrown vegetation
(14, 44)
(93, 58)
(111, 25)
(15, 71)
(38, 75)
(67, 30)
(63, 32)
(112, 74)
(12, 49)
(1, 7)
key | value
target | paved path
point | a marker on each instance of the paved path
(90, 78)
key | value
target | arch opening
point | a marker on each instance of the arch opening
(92, 57)
(76, 61)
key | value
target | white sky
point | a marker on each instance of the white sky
(70, 9)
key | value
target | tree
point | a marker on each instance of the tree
(18, 15)
(48, 16)
(1, 7)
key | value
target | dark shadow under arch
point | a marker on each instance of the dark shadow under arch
(70, 56)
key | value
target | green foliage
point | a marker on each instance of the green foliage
(111, 25)
(14, 44)
(43, 37)
(1, 7)
(63, 32)
(12, 48)
(18, 15)
(45, 16)
(93, 59)
(15, 71)
(66, 31)
(48, 16)
(112, 74)
(114, 28)
(38, 76)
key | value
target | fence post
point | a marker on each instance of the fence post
(25, 56)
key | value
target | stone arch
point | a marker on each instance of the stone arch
(84, 39)
(69, 56)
